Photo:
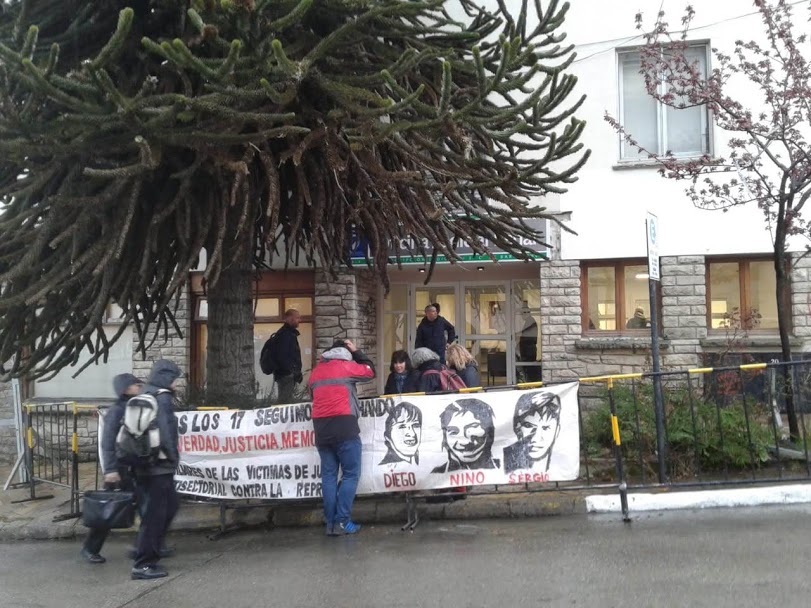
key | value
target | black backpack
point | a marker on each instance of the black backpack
(266, 361)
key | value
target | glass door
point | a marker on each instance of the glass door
(499, 323)
(526, 298)
(442, 296)
(486, 330)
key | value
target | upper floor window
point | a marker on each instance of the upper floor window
(741, 295)
(615, 297)
(658, 128)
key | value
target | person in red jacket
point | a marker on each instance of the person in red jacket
(337, 434)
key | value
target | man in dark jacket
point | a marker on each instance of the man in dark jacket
(115, 476)
(286, 356)
(337, 434)
(158, 483)
(435, 332)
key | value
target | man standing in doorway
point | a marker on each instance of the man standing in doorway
(287, 356)
(435, 332)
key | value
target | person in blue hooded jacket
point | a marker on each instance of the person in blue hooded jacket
(158, 483)
(115, 475)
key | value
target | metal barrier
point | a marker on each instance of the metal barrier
(52, 450)
(722, 426)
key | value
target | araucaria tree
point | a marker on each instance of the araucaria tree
(767, 160)
(134, 134)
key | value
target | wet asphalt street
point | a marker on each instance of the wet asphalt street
(744, 557)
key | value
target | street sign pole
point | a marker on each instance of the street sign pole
(652, 230)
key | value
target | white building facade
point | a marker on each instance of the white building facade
(571, 314)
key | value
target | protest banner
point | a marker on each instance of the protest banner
(409, 443)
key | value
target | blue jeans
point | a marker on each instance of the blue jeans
(338, 498)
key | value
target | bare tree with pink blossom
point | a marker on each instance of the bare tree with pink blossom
(767, 160)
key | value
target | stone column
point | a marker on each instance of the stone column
(801, 299)
(346, 307)
(684, 310)
(560, 320)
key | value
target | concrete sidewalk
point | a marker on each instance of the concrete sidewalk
(34, 519)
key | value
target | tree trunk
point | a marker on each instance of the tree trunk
(230, 376)
(784, 324)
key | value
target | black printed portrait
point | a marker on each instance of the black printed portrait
(467, 436)
(403, 434)
(536, 423)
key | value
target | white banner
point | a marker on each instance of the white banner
(409, 443)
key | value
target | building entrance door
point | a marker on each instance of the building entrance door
(497, 321)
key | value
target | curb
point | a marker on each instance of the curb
(196, 517)
(704, 499)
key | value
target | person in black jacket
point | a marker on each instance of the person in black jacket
(115, 476)
(400, 369)
(424, 359)
(435, 332)
(287, 356)
(158, 483)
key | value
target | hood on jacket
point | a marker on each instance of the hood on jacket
(422, 355)
(123, 381)
(163, 373)
(337, 352)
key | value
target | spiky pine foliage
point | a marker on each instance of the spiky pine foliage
(133, 134)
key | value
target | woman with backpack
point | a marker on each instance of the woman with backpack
(430, 376)
(462, 362)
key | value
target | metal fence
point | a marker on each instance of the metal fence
(52, 450)
(720, 426)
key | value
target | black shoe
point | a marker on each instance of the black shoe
(93, 558)
(148, 573)
(163, 553)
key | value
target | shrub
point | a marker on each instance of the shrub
(694, 441)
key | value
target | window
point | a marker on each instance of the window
(741, 295)
(268, 319)
(656, 127)
(615, 297)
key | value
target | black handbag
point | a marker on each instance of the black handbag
(109, 509)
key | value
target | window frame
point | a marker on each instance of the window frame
(294, 285)
(619, 266)
(661, 111)
(744, 287)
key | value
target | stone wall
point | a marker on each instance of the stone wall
(345, 307)
(801, 301)
(8, 442)
(685, 343)
(8, 432)
(175, 347)
(568, 354)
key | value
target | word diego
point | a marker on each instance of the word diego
(399, 480)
